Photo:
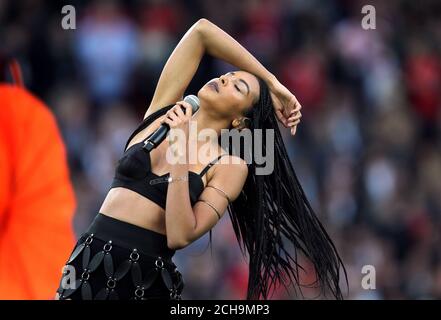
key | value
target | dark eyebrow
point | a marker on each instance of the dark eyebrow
(243, 81)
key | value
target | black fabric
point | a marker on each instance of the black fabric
(118, 260)
(148, 120)
(133, 170)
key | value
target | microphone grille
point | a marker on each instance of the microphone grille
(193, 101)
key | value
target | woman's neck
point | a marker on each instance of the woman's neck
(203, 121)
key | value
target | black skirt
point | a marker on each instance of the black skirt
(118, 260)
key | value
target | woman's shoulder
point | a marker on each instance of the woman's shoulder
(230, 175)
(229, 162)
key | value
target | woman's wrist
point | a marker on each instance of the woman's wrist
(271, 81)
(183, 177)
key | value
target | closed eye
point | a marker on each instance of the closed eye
(242, 81)
(237, 88)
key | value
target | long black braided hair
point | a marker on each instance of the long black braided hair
(271, 211)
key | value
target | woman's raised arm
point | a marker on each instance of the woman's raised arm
(202, 37)
(178, 70)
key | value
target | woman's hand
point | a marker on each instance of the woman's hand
(178, 122)
(176, 118)
(286, 106)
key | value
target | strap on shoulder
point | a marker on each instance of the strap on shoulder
(147, 121)
(211, 163)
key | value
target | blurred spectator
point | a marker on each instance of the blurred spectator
(37, 202)
(106, 47)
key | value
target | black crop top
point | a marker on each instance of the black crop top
(133, 170)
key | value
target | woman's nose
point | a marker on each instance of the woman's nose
(223, 80)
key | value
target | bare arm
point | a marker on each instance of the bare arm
(178, 70)
(221, 45)
(185, 224)
(203, 37)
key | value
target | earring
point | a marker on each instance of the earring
(244, 122)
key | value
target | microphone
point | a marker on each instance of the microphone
(159, 135)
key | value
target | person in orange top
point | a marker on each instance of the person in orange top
(37, 201)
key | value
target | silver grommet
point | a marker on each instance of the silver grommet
(134, 256)
(159, 263)
(85, 275)
(108, 246)
(139, 292)
(89, 239)
(111, 283)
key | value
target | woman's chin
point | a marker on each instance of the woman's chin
(206, 96)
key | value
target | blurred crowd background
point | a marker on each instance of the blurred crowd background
(367, 151)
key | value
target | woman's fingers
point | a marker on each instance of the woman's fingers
(175, 113)
(278, 108)
(293, 126)
(295, 116)
(176, 116)
(290, 108)
(172, 115)
(186, 113)
(293, 130)
(293, 123)
(178, 111)
(282, 118)
(295, 105)
(287, 107)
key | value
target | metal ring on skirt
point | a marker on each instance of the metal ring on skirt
(145, 270)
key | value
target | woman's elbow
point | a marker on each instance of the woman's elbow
(203, 22)
(201, 25)
(177, 244)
